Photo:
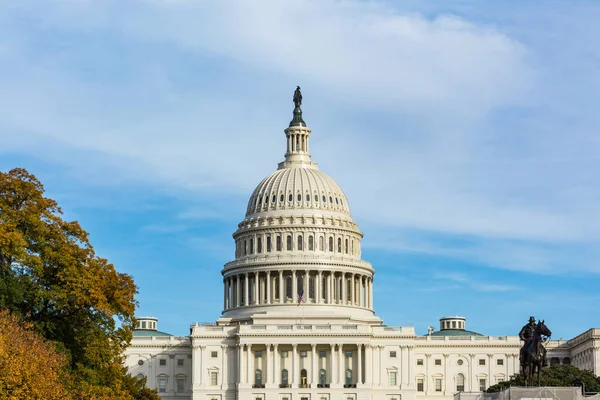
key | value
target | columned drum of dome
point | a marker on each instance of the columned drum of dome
(298, 250)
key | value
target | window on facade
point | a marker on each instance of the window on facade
(322, 354)
(324, 199)
(300, 247)
(180, 385)
(330, 244)
(500, 361)
(311, 288)
(162, 385)
(460, 383)
(288, 287)
(348, 377)
(214, 378)
(420, 385)
(438, 385)
(453, 324)
(289, 242)
(279, 245)
(284, 354)
(307, 197)
(392, 354)
(419, 361)
(322, 377)
(245, 247)
(392, 378)
(348, 354)
(339, 247)
(302, 354)
(140, 362)
(460, 362)
(311, 244)
(214, 354)
(281, 198)
(251, 246)
(284, 376)
(258, 377)
(180, 362)
(482, 385)
(331, 199)
(321, 243)
(259, 245)
(290, 197)
(266, 199)
(162, 362)
(482, 361)
(438, 361)
(140, 377)
(346, 246)
(299, 197)
(143, 324)
(268, 244)
(258, 354)
(273, 199)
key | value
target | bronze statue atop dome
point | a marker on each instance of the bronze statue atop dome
(297, 120)
(297, 97)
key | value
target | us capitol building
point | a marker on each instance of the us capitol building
(298, 321)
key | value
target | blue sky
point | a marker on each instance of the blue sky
(464, 133)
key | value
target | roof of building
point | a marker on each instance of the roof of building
(455, 332)
(149, 332)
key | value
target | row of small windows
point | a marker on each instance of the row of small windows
(163, 362)
(438, 361)
(248, 248)
(460, 384)
(258, 201)
(285, 378)
(162, 381)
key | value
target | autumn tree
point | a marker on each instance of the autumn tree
(30, 366)
(50, 276)
(556, 375)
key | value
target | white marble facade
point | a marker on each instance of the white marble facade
(298, 321)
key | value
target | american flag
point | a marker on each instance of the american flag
(300, 296)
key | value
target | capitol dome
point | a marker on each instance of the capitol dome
(298, 245)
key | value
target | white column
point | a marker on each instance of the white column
(359, 379)
(371, 293)
(306, 291)
(352, 298)
(268, 287)
(368, 364)
(225, 377)
(238, 299)
(294, 287)
(249, 363)
(318, 287)
(256, 290)
(329, 288)
(344, 289)
(341, 364)
(380, 359)
(246, 285)
(281, 295)
(268, 373)
(241, 374)
(332, 378)
(403, 369)
(314, 378)
(295, 367)
(276, 369)
(225, 294)
(411, 360)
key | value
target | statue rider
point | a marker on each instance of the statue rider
(526, 335)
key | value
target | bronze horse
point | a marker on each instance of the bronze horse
(535, 354)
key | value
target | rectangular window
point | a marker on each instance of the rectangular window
(322, 354)
(284, 354)
(258, 354)
(419, 361)
(214, 378)
(348, 354)
(162, 362)
(438, 385)
(392, 354)
(214, 354)
(180, 385)
(303, 398)
(302, 354)
(162, 385)
(259, 245)
(482, 385)
(180, 362)
(482, 361)
(392, 378)
(268, 243)
(438, 361)
(420, 385)
(500, 361)
(279, 245)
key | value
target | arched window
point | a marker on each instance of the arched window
(258, 377)
(348, 377)
(311, 288)
(322, 377)
(259, 201)
(321, 243)
(324, 199)
(266, 199)
(346, 246)
(316, 197)
(311, 244)
(279, 245)
(288, 287)
(276, 290)
(331, 244)
(307, 197)
(245, 247)
(290, 197)
(460, 383)
(337, 201)
(269, 244)
(259, 245)
(324, 288)
(339, 245)
(284, 377)
(281, 198)
(299, 197)
(273, 199)
(289, 242)
(251, 246)
(331, 199)
(300, 247)
(303, 377)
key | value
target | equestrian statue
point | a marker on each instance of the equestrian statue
(533, 353)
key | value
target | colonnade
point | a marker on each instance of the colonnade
(307, 286)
